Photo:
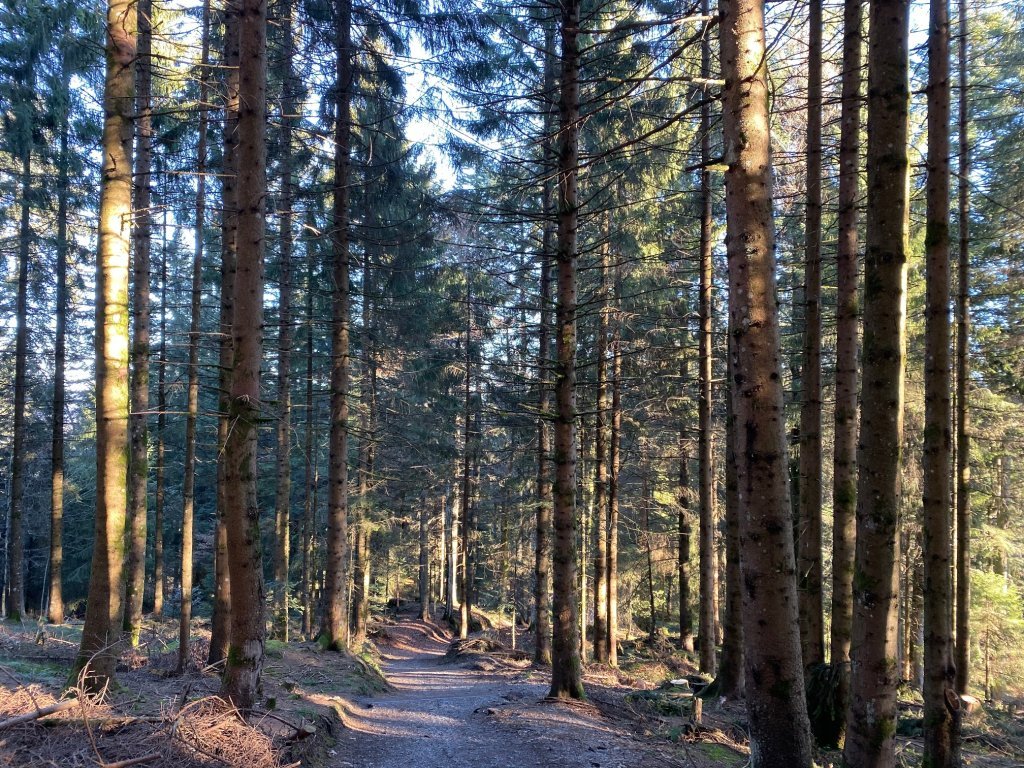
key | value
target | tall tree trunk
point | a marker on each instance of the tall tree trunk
(309, 508)
(685, 530)
(361, 523)
(465, 607)
(941, 703)
(138, 479)
(334, 626)
(706, 530)
(601, 455)
(963, 372)
(779, 728)
(566, 669)
(809, 567)
(871, 719)
(424, 565)
(844, 477)
(245, 559)
(16, 539)
(104, 605)
(229, 256)
(730, 671)
(56, 601)
(188, 492)
(614, 465)
(542, 561)
(161, 427)
(282, 497)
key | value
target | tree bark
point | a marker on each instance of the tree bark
(229, 247)
(730, 671)
(309, 506)
(56, 601)
(16, 539)
(188, 494)
(601, 455)
(465, 607)
(138, 478)
(685, 535)
(809, 567)
(844, 478)
(566, 668)
(245, 559)
(103, 612)
(941, 721)
(424, 561)
(334, 625)
(963, 384)
(871, 719)
(282, 495)
(779, 727)
(614, 465)
(161, 427)
(706, 531)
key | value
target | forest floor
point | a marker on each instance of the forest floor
(415, 697)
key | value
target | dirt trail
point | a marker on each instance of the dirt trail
(448, 716)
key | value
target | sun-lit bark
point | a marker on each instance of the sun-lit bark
(102, 630)
(809, 566)
(138, 472)
(776, 705)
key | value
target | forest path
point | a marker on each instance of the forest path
(449, 716)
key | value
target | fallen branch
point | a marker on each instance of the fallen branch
(60, 706)
(132, 761)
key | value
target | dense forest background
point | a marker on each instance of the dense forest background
(450, 223)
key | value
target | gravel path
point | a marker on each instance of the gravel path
(449, 716)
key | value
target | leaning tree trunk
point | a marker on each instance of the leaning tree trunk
(871, 719)
(229, 246)
(844, 477)
(963, 384)
(188, 493)
(245, 559)
(56, 601)
(102, 628)
(779, 728)
(809, 567)
(566, 669)
(334, 624)
(138, 478)
(941, 702)
(282, 496)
